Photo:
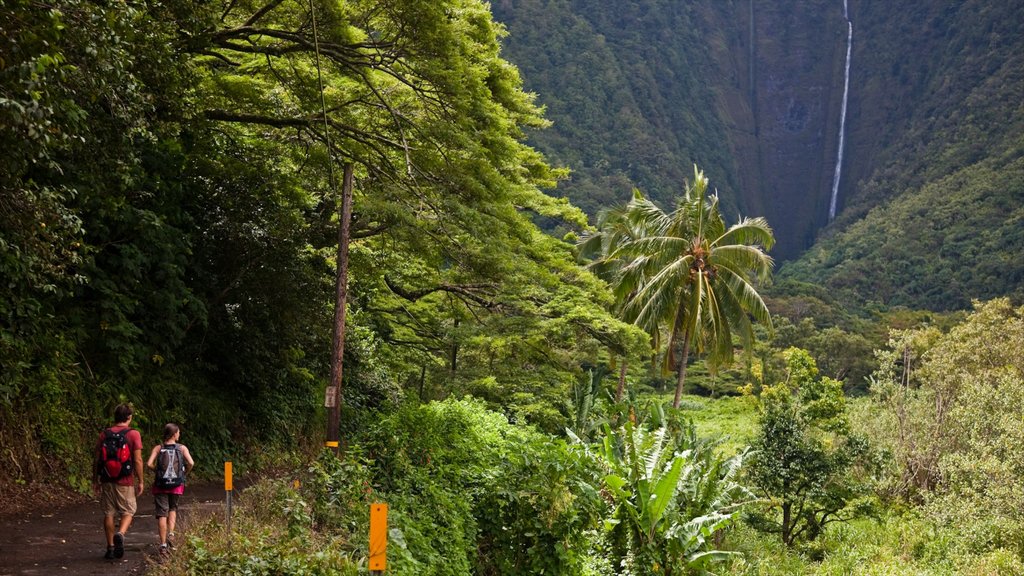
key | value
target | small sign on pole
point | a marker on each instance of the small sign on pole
(331, 397)
(378, 537)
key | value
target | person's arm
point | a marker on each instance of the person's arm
(96, 468)
(151, 463)
(189, 463)
(139, 477)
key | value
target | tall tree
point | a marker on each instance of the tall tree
(615, 228)
(694, 275)
(419, 101)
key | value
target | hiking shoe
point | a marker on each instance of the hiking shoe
(170, 539)
(118, 545)
(165, 550)
(110, 553)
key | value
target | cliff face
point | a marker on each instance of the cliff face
(751, 90)
(782, 107)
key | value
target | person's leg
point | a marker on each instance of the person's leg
(160, 511)
(172, 516)
(108, 501)
(108, 528)
(126, 500)
(126, 522)
(126, 504)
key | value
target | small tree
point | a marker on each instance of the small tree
(808, 464)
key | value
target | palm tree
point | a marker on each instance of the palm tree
(690, 272)
(617, 227)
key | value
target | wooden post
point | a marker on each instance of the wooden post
(333, 400)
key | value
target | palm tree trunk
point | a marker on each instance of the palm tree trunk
(682, 369)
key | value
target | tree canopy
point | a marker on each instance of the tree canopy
(169, 236)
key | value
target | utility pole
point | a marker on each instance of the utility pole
(333, 399)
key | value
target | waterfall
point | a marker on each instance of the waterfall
(842, 115)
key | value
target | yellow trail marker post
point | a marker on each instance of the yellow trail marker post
(228, 487)
(378, 537)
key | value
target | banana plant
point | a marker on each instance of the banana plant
(669, 496)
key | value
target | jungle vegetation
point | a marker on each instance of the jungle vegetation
(533, 391)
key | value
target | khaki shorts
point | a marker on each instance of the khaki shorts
(115, 499)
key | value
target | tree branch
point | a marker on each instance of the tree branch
(262, 11)
(241, 118)
(465, 291)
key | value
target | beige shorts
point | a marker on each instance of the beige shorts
(116, 499)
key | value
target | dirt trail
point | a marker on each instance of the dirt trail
(69, 539)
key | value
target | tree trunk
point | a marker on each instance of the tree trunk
(622, 380)
(423, 379)
(682, 369)
(787, 523)
(453, 353)
(341, 297)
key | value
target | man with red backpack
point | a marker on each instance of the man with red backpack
(118, 477)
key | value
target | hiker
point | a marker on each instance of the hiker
(172, 463)
(118, 462)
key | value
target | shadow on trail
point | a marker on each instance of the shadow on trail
(69, 539)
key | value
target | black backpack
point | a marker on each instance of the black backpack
(170, 467)
(115, 456)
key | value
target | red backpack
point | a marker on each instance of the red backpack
(115, 456)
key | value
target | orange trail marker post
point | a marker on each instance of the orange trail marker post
(378, 537)
(228, 487)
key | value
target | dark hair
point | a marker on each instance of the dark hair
(170, 429)
(122, 413)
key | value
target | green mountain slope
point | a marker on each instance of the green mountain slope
(625, 87)
(752, 92)
(955, 239)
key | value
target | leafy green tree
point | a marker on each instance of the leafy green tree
(812, 469)
(696, 276)
(449, 272)
(950, 406)
(93, 222)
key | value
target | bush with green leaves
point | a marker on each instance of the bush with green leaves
(471, 492)
(670, 497)
(807, 463)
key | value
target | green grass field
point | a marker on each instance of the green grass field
(731, 419)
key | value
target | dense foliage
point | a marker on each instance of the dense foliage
(952, 412)
(170, 216)
(471, 493)
(626, 89)
(169, 222)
